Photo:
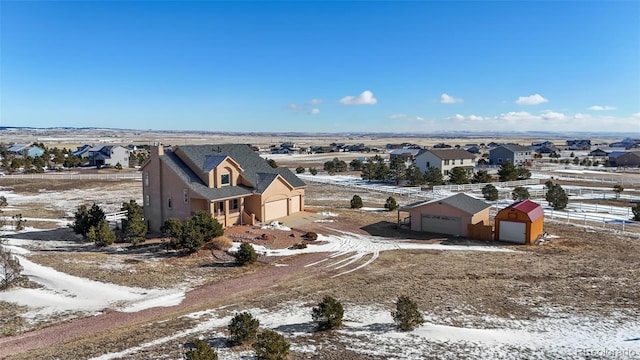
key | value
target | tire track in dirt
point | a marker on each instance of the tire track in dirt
(112, 320)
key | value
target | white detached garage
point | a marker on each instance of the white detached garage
(450, 215)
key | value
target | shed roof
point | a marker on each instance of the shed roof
(533, 210)
(460, 201)
(452, 154)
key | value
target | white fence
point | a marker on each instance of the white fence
(466, 187)
(120, 215)
(57, 176)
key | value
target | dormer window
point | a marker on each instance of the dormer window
(225, 179)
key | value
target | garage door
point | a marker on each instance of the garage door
(295, 204)
(514, 232)
(275, 209)
(442, 224)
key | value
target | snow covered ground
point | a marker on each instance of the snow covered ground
(370, 330)
(63, 295)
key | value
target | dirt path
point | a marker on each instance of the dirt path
(110, 320)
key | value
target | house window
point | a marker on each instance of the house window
(146, 200)
(146, 178)
(185, 195)
(446, 172)
(461, 161)
(234, 204)
(169, 203)
(224, 179)
(220, 206)
(446, 162)
(428, 164)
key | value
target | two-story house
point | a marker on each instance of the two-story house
(231, 182)
(445, 160)
(108, 155)
(518, 155)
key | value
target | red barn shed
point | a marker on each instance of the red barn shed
(521, 222)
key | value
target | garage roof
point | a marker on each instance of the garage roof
(534, 211)
(460, 201)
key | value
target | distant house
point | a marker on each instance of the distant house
(581, 144)
(542, 143)
(445, 160)
(624, 159)
(474, 149)
(82, 151)
(513, 153)
(451, 215)
(627, 143)
(408, 155)
(231, 182)
(598, 153)
(545, 149)
(25, 150)
(108, 155)
(521, 222)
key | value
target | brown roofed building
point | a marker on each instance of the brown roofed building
(445, 160)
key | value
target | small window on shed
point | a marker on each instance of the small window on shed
(146, 178)
(146, 200)
(169, 204)
(185, 195)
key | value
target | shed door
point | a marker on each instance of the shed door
(514, 232)
(275, 209)
(442, 224)
(295, 204)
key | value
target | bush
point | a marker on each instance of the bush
(520, 193)
(246, 254)
(298, 246)
(490, 192)
(300, 170)
(243, 327)
(328, 314)
(271, 346)
(636, 212)
(313, 171)
(391, 204)
(407, 315)
(311, 236)
(557, 197)
(356, 202)
(101, 235)
(201, 351)
(221, 243)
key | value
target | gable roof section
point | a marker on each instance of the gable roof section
(250, 162)
(452, 154)
(515, 147)
(460, 201)
(198, 186)
(212, 161)
(532, 210)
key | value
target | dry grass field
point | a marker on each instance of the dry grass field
(582, 272)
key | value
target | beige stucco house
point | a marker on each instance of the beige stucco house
(445, 160)
(230, 181)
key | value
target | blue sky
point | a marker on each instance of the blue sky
(351, 66)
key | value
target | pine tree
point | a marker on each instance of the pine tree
(328, 314)
(133, 228)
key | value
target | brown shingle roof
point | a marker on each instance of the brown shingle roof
(452, 154)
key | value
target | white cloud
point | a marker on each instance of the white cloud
(552, 115)
(471, 117)
(636, 115)
(515, 116)
(601, 108)
(420, 118)
(534, 99)
(397, 116)
(365, 98)
(446, 99)
(315, 101)
(294, 107)
(314, 111)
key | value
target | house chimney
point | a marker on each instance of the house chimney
(160, 148)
